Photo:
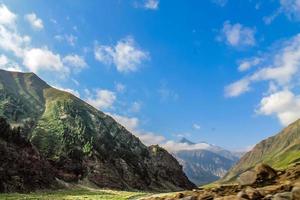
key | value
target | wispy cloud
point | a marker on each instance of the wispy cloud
(237, 35)
(70, 39)
(290, 8)
(249, 63)
(75, 61)
(221, 3)
(151, 4)
(167, 94)
(196, 126)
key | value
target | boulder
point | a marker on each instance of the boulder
(262, 174)
(283, 196)
(296, 193)
(253, 193)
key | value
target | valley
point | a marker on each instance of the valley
(149, 100)
(67, 145)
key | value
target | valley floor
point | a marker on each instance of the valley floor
(78, 194)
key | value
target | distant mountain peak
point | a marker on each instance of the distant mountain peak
(184, 140)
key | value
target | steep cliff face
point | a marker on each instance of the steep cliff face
(278, 151)
(80, 141)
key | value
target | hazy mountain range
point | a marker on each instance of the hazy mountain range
(204, 163)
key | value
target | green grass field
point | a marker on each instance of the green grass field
(76, 194)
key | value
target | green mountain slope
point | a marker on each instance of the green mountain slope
(21, 96)
(278, 151)
(83, 143)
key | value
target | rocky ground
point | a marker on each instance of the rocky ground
(262, 182)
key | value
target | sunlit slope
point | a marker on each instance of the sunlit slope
(278, 151)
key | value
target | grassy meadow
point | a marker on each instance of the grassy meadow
(76, 194)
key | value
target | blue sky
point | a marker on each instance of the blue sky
(220, 71)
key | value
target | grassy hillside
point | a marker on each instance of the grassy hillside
(278, 151)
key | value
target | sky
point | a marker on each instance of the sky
(221, 71)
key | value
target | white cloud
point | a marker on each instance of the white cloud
(35, 22)
(196, 126)
(37, 59)
(280, 69)
(249, 63)
(237, 35)
(284, 104)
(237, 88)
(8, 64)
(3, 60)
(151, 4)
(11, 41)
(103, 99)
(7, 17)
(75, 61)
(125, 55)
(176, 146)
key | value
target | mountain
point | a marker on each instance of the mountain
(204, 163)
(278, 151)
(184, 140)
(81, 142)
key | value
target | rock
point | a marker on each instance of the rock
(179, 195)
(253, 193)
(262, 174)
(247, 178)
(188, 198)
(265, 172)
(242, 194)
(296, 193)
(283, 196)
(231, 197)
